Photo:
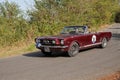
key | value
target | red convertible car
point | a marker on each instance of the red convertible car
(71, 40)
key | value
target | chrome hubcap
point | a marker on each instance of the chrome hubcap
(104, 43)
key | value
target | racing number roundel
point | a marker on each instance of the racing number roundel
(93, 38)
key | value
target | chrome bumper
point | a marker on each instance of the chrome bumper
(38, 45)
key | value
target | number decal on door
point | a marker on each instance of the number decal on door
(93, 38)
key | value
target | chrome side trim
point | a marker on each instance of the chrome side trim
(93, 44)
(54, 46)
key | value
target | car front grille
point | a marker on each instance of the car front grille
(46, 42)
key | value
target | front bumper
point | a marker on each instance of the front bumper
(52, 48)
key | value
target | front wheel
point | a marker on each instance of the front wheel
(73, 49)
(103, 43)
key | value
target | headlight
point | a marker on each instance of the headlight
(62, 42)
(37, 40)
(53, 42)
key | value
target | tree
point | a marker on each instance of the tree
(9, 10)
(13, 27)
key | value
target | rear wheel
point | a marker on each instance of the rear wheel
(104, 43)
(73, 49)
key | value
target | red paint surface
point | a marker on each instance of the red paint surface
(82, 39)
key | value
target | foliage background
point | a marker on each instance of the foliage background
(49, 16)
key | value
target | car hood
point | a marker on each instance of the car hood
(61, 36)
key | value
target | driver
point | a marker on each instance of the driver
(76, 30)
(85, 28)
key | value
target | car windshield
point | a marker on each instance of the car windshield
(72, 30)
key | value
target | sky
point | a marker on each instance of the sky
(24, 4)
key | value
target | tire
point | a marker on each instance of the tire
(73, 49)
(46, 53)
(104, 43)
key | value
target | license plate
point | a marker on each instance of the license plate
(46, 49)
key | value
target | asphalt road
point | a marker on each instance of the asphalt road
(87, 65)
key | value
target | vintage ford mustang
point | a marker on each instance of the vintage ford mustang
(71, 40)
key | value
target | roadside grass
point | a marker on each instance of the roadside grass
(17, 50)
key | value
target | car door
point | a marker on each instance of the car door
(83, 40)
(88, 39)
